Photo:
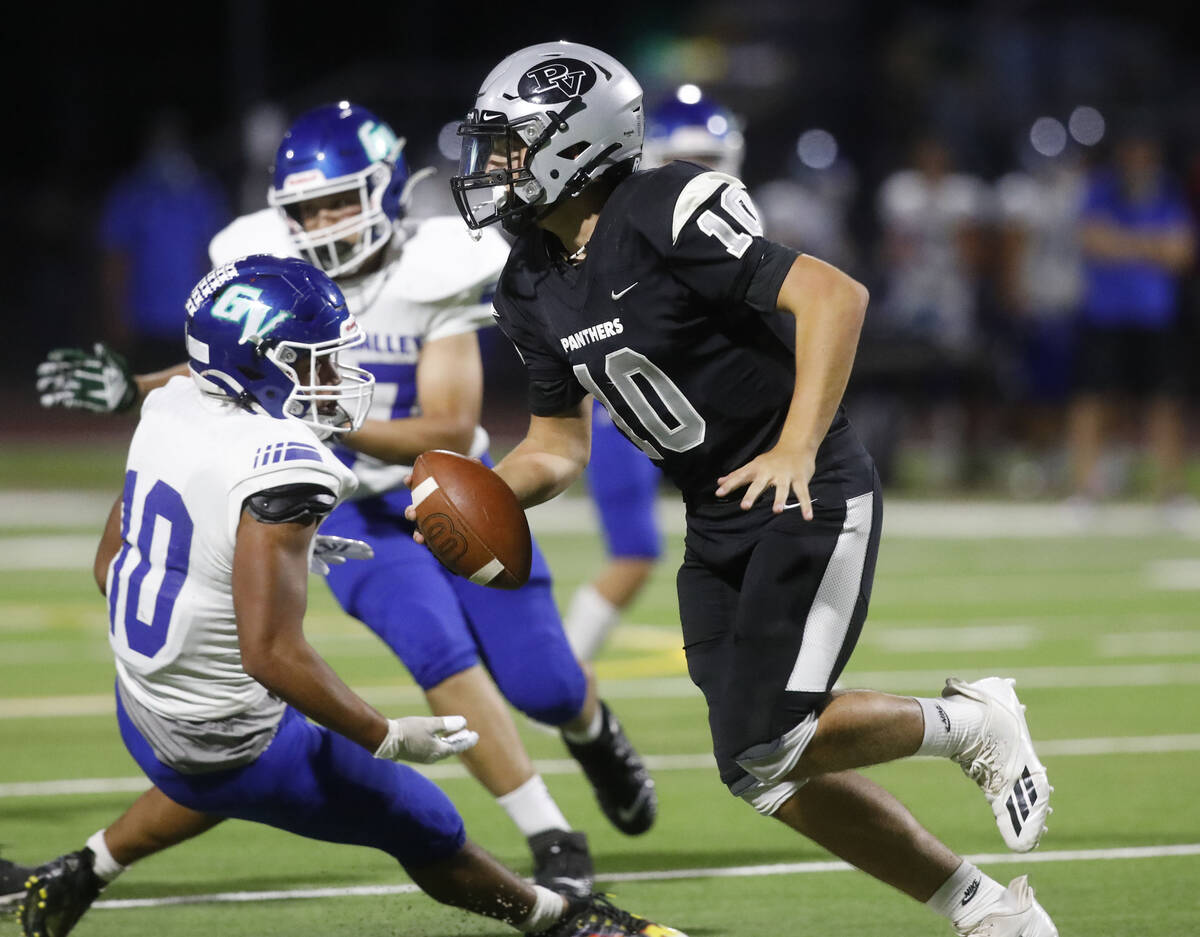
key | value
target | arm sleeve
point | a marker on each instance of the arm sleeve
(311, 475)
(304, 503)
(762, 295)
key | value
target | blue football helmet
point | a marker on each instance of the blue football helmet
(265, 333)
(692, 127)
(342, 150)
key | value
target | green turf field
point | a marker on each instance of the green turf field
(1102, 630)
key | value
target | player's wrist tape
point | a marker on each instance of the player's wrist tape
(390, 746)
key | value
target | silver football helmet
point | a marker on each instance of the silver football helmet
(548, 120)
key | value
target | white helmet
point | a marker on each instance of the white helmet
(575, 111)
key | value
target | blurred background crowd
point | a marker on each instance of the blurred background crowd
(1018, 184)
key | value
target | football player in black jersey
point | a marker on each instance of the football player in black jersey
(649, 291)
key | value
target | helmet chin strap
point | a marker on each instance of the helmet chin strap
(579, 180)
(225, 387)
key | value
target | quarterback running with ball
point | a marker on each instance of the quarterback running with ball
(648, 291)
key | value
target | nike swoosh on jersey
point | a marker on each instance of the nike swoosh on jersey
(616, 295)
(796, 504)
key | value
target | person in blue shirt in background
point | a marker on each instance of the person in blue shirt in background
(154, 232)
(1138, 242)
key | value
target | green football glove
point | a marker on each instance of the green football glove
(99, 380)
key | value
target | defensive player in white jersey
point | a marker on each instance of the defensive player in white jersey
(204, 561)
(421, 291)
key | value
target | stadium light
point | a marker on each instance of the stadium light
(1086, 125)
(449, 143)
(817, 148)
(1048, 136)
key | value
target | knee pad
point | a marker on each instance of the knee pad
(767, 765)
(770, 762)
(768, 798)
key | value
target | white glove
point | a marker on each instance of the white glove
(99, 380)
(329, 550)
(426, 739)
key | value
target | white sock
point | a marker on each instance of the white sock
(548, 909)
(592, 732)
(590, 618)
(950, 724)
(105, 866)
(532, 808)
(966, 897)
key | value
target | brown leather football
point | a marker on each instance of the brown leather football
(471, 520)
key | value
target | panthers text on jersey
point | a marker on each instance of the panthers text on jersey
(666, 324)
(435, 283)
(192, 463)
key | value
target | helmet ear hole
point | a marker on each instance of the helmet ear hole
(574, 151)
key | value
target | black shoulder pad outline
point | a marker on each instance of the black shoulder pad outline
(304, 503)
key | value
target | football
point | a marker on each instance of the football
(471, 520)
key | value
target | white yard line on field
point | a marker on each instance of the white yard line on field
(1179, 575)
(56, 510)
(1121, 745)
(1049, 677)
(680, 687)
(966, 638)
(1148, 643)
(59, 551)
(664, 875)
(940, 519)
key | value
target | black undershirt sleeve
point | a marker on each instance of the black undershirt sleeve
(762, 293)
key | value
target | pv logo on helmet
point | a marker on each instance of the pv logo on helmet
(556, 81)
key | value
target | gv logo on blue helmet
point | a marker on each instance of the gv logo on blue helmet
(265, 332)
(241, 303)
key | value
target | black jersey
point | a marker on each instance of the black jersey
(664, 322)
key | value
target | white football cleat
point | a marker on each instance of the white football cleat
(1018, 915)
(1003, 763)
